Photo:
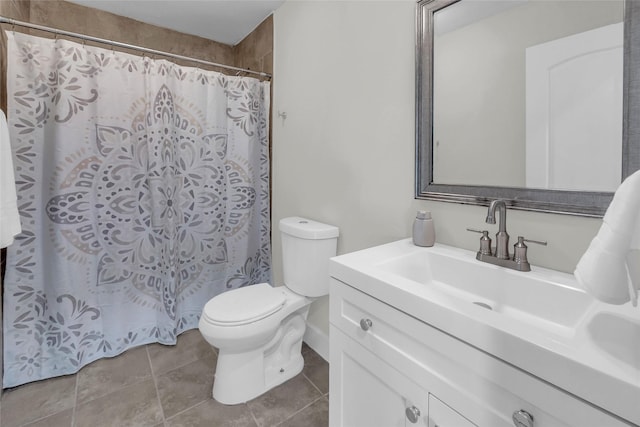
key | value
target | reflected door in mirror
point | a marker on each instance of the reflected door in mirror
(574, 111)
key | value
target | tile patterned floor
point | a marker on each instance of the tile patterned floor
(164, 386)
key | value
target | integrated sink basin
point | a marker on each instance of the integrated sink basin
(540, 321)
(537, 297)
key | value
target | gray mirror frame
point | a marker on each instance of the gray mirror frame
(581, 203)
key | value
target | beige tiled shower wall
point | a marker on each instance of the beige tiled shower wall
(255, 52)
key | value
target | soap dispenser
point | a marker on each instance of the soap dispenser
(424, 233)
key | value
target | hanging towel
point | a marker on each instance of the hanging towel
(610, 268)
(9, 218)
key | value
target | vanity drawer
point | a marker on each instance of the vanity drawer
(481, 387)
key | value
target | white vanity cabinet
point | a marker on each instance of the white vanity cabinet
(441, 415)
(388, 368)
(374, 392)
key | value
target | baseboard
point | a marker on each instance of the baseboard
(317, 340)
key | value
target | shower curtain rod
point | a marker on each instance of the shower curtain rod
(4, 20)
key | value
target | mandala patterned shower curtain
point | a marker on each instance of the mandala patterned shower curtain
(143, 191)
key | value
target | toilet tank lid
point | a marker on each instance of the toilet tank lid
(308, 229)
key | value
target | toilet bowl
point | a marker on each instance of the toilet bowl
(258, 329)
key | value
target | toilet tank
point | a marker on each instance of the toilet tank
(307, 246)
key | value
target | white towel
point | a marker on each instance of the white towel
(610, 268)
(9, 218)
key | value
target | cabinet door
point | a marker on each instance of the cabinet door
(366, 392)
(442, 415)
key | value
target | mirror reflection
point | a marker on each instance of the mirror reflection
(528, 93)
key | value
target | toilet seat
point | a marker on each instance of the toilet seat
(243, 305)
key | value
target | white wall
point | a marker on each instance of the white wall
(344, 75)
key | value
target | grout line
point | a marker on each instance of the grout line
(75, 402)
(307, 405)
(298, 411)
(73, 408)
(155, 385)
(37, 420)
(186, 409)
(175, 346)
(255, 420)
(313, 384)
(102, 393)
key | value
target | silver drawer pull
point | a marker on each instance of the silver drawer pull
(522, 418)
(413, 414)
(365, 324)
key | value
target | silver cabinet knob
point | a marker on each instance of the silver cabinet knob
(413, 414)
(365, 324)
(522, 418)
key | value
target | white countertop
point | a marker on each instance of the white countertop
(563, 356)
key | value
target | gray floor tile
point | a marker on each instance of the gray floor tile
(314, 415)
(212, 413)
(121, 392)
(136, 405)
(189, 348)
(186, 386)
(61, 419)
(278, 404)
(107, 375)
(316, 369)
(33, 401)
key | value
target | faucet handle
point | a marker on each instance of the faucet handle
(477, 231)
(520, 250)
(485, 241)
(539, 242)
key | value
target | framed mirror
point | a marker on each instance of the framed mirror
(527, 100)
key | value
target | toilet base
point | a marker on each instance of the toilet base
(243, 376)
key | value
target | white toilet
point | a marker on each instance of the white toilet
(258, 329)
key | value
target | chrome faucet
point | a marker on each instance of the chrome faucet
(501, 255)
(502, 238)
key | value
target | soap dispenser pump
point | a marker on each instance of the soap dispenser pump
(424, 233)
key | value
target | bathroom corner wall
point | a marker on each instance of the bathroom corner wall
(255, 52)
(85, 20)
(345, 153)
(16, 9)
(73, 17)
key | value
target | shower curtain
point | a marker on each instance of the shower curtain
(143, 192)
